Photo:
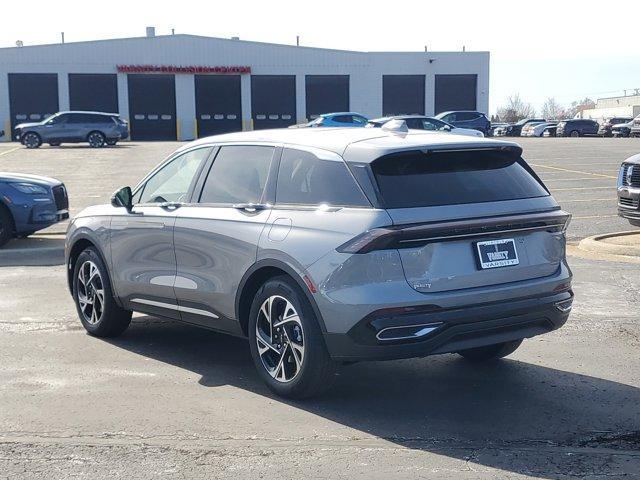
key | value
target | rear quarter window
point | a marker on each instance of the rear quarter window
(305, 179)
(418, 179)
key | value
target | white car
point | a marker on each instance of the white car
(420, 122)
(535, 129)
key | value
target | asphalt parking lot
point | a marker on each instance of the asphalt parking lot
(171, 401)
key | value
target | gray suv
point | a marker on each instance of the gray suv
(329, 246)
(96, 128)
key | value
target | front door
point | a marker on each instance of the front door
(217, 235)
(142, 246)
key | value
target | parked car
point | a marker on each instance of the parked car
(634, 131)
(96, 128)
(515, 129)
(527, 130)
(331, 246)
(629, 190)
(29, 203)
(495, 126)
(419, 122)
(467, 119)
(550, 130)
(606, 125)
(536, 129)
(621, 129)
(339, 119)
(577, 127)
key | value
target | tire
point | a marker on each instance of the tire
(111, 143)
(31, 140)
(291, 359)
(99, 313)
(574, 133)
(490, 352)
(96, 139)
(6, 225)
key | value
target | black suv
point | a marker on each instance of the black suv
(577, 127)
(96, 128)
(607, 123)
(467, 119)
(629, 190)
(515, 129)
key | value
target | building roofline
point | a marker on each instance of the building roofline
(253, 42)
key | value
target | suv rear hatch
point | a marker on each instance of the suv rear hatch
(466, 218)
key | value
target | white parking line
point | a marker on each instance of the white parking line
(9, 151)
(580, 188)
(574, 171)
(590, 200)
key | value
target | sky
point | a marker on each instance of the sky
(568, 50)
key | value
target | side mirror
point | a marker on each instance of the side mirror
(123, 198)
(447, 128)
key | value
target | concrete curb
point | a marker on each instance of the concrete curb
(32, 254)
(596, 244)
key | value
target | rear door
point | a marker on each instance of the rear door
(469, 218)
(217, 234)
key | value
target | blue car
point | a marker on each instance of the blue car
(467, 119)
(337, 119)
(29, 203)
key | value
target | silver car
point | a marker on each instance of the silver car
(329, 246)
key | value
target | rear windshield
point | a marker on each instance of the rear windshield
(418, 179)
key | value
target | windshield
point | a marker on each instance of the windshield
(50, 118)
(317, 121)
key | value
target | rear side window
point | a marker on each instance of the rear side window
(416, 179)
(238, 175)
(304, 179)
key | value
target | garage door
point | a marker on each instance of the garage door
(32, 96)
(218, 104)
(152, 107)
(326, 94)
(273, 101)
(455, 92)
(402, 94)
(94, 92)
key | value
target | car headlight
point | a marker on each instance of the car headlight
(29, 188)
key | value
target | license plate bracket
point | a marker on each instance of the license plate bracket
(497, 253)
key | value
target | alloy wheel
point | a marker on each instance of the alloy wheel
(90, 292)
(96, 140)
(280, 338)
(31, 140)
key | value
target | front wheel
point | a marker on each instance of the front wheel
(32, 140)
(99, 313)
(96, 139)
(574, 134)
(490, 352)
(6, 225)
(286, 341)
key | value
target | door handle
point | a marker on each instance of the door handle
(251, 207)
(170, 205)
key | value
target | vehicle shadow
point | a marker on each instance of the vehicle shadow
(510, 415)
(38, 250)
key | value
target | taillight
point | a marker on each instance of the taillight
(375, 239)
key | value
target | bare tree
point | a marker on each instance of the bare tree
(515, 109)
(580, 105)
(552, 110)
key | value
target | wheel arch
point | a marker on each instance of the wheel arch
(80, 244)
(256, 276)
(5, 207)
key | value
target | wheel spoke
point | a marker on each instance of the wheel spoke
(90, 292)
(266, 344)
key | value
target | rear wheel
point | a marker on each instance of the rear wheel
(574, 133)
(286, 341)
(6, 225)
(99, 313)
(490, 352)
(31, 140)
(96, 139)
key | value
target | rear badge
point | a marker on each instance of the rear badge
(497, 253)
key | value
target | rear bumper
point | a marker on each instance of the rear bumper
(455, 329)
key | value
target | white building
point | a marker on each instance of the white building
(626, 106)
(184, 86)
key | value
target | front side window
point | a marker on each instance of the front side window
(418, 179)
(359, 120)
(57, 119)
(171, 183)
(238, 175)
(304, 179)
(342, 119)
